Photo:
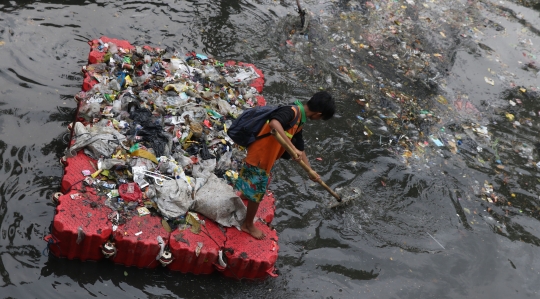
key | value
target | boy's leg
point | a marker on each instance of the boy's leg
(248, 226)
(252, 182)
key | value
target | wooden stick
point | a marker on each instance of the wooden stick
(308, 169)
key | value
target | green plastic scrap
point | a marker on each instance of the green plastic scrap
(494, 147)
(134, 148)
(107, 56)
(213, 113)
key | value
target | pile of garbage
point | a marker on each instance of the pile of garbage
(156, 123)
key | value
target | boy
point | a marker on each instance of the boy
(263, 153)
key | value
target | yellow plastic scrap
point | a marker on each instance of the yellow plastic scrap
(523, 90)
(407, 154)
(105, 172)
(232, 174)
(129, 82)
(452, 146)
(510, 116)
(166, 225)
(194, 221)
(178, 87)
(476, 29)
(118, 155)
(442, 100)
(95, 174)
(367, 131)
(145, 154)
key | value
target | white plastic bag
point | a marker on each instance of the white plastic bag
(218, 201)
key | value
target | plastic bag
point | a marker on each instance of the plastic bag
(204, 168)
(225, 161)
(151, 133)
(110, 163)
(100, 141)
(173, 197)
(218, 201)
(130, 192)
(90, 110)
(224, 108)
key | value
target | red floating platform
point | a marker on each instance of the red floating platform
(82, 229)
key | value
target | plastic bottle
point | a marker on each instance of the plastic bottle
(147, 59)
(113, 48)
(96, 67)
(117, 106)
(146, 69)
(176, 100)
(114, 85)
(175, 64)
(159, 101)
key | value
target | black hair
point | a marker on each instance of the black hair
(322, 102)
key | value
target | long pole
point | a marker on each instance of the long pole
(308, 169)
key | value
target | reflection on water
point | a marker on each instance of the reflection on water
(448, 221)
(15, 252)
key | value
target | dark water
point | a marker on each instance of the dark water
(423, 227)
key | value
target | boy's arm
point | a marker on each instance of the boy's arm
(300, 144)
(312, 175)
(275, 124)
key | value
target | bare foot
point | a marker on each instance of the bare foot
(253, 231)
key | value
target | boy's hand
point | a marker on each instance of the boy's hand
(298, 156)
(314, 176)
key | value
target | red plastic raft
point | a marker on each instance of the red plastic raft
(82, 230)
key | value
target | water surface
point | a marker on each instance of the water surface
(427, 225)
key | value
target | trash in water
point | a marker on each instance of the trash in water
(437, 141)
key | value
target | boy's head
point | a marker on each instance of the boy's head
(322, 106)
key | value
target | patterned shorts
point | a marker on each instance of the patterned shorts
(252, 182)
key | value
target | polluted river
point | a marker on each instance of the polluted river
(437, 120)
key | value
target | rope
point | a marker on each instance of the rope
(208, 234)
(71, 186)
(47, 249)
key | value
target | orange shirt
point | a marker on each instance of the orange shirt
(264, 152)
